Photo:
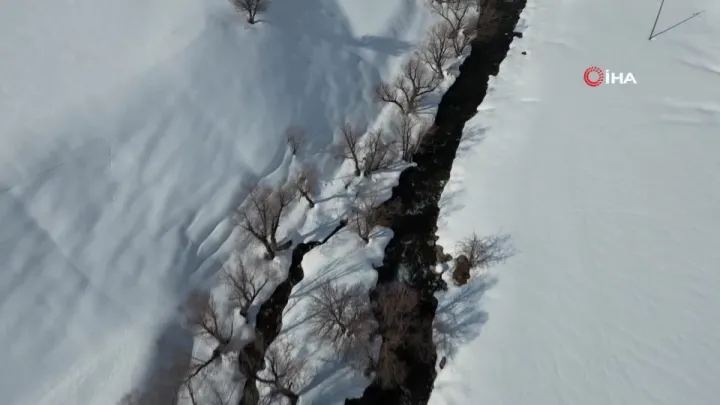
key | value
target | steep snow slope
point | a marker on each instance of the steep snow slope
(126, 129)
(611, 195)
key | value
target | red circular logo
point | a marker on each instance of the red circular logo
(597, 72)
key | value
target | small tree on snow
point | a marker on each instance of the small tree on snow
(260, 215)
(350, 146)
(251, 8)
(408, 132)
(378, 153)
(340, 315)
(411, 88)
(462, 39)
(436, 49)
(204, 316)
(296, 138)
(306, 184)
(246, 281)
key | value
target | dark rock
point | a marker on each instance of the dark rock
(443, 362)
(461, 274)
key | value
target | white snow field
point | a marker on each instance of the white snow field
(612, 197)
(127, 129)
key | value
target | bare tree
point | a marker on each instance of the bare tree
(306, 183)
(410, 89)
(339, 313)
(378, 153)
(436, 49)
(296, 138)
(408, 132)
(205, 318)
(285, 373)
(484, 252)
(350, 147)
(454, 12)
(251, 8)
(246, 281)
(261, 213)
(365, 216)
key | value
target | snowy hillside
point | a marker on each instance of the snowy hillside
(127, 129)
(611, 195)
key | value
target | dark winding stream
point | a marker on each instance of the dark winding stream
(418, 194)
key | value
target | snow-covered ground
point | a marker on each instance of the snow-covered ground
(127, 129)
(611, 195)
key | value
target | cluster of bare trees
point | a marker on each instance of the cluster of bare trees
(458, 26)
(422, 74)
(245, 279)
(251, 8)
(415, 82)
(378, 149)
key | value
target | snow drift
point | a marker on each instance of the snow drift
(127, 129)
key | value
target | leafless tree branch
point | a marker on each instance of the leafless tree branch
(436, 49)
(285, 373)
(411, 88)
(487, 251)
(260, 215)
(350, 147)
(251, 8)
(340, 315)
(306, 183)
(378, 153)
(408, 132)
(296, 138)
(246, 281)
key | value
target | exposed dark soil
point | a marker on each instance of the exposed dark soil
(417, 196)
(269, 318)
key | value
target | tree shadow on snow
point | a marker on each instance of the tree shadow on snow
(459, 316)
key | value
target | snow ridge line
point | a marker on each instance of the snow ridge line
(420, 188)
